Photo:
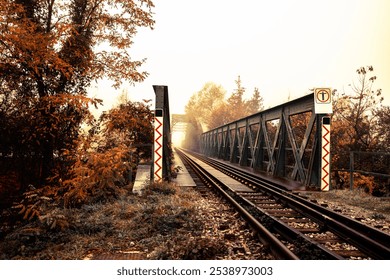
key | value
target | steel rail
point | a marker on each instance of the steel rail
(307, 247)
(277, 248)
(369, 240)
(378, 235)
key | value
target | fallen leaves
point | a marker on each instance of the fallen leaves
(166, 222)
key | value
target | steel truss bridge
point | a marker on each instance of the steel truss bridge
(285, 141)
(290, 141)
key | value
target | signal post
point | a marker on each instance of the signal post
(162, 135)
(323, 109)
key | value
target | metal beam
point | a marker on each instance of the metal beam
(273, 141)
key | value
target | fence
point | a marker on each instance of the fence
(363, 162)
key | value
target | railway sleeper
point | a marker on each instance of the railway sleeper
(294, 219)
(350, 253)
(272, 206)
(281, 212)
(308, 230)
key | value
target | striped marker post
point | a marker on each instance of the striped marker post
(323, 106)
(325, 154)
(158, 146)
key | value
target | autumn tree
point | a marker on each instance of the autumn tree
(383, 128)
(359, 124)
(256, 103)
(204, 102)
(192, 136)
(209, 108)
(107, 157)
(236, 107)
(236, 101)
(354, 118)
(220, 116)
(132, 121)
(382, 161)
(243, 107)
(50, 51)
(198, 112)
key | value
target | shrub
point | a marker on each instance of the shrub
(98, 176)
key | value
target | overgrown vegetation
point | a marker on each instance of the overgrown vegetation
(101, 168)
(358, 124)
(50, 52)
(163, 223)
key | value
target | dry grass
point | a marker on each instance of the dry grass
(161, 224)
(357, 199)
(165, 222)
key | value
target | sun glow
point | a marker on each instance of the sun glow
(178, 138)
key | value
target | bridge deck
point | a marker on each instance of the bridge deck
(183, 178)
(283, 182)
(233, 184)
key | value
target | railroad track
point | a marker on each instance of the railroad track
(290, 225)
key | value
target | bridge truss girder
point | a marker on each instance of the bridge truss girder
(283, 141)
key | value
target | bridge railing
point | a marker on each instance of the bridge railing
(284, 141)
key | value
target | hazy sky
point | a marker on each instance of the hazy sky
(281, 47)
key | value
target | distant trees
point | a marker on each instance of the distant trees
(209, 108)
(199, 111)
(50, 51)
(256, 103)
(236, 107)
(202, 104)
(243, 108)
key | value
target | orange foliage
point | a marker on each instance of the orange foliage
(97, 176)
(50, 51)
